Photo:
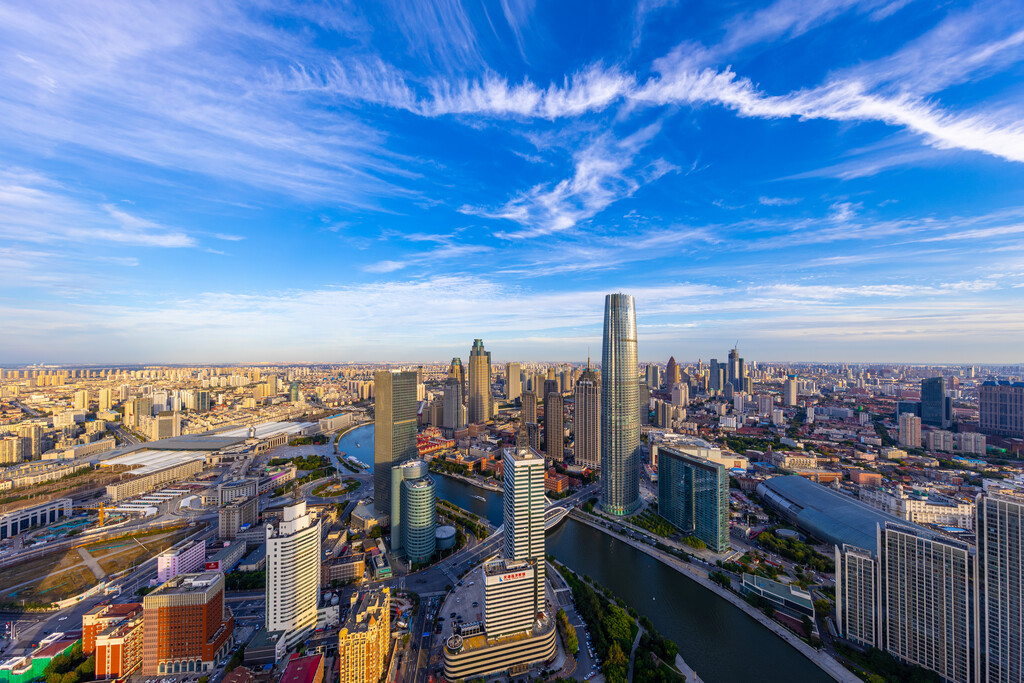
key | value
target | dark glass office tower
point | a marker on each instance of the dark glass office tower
(394, 408)
(620, 411)
(936, 408)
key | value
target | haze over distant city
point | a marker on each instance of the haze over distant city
(834, 180)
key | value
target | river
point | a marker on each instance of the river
(363, 452)
(719, 641)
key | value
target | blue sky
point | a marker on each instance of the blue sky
(203, 182)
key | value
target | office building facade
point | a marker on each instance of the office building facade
(479, 405)
(413, 511)
(513, 383)
(1001, 569)
(509, 587)
(554, 427)
(293, 573)
(237, 516)
(936, 406)
(693, 495)
(653, 375)
(523, 514)
(587, 420)
(186, 626)
(529, 399)
(789, 388)
(394, 430)
(620, 422)
(1001, 408)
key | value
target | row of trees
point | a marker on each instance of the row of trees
(568, 632)
(71, 667)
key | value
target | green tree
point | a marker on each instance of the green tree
(617, 624)
(616, 665)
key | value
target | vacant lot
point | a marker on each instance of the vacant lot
(63, 574)
(135, 551)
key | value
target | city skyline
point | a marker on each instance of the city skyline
(369, 182)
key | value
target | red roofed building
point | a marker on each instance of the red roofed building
(240, 674)
(304, 670)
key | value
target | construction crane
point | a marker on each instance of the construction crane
(101, 508)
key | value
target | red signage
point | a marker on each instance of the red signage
(213, 566)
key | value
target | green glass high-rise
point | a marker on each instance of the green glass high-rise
(414, 511)
(693, 495)
(620, 408)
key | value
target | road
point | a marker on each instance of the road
(585, 661)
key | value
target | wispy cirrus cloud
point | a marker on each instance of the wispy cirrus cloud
(604, 172)
(38, 210)
(777, 201)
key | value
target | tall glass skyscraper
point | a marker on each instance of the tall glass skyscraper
(394, 408)
(620, 409)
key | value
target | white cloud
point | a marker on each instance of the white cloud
(604, 172)
(778, 201)
(392, 319)
(38, 210)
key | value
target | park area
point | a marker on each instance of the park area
(334, 487)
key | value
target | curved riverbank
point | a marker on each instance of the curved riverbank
(820, 659)
(494, 488)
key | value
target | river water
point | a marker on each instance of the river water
(363, 452)
(719, 641)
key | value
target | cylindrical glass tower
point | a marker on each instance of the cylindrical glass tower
(419, 517)
(620, 410)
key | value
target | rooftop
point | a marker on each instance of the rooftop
(269, 429)
(185, 584)
(374, 604)
(782, 590)
(824, 513)
(56, 647)
(150, 460)
(302, 669)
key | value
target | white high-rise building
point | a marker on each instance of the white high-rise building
(926, 601)
(1001, 569)
(508, 597)
(293, 573)
(857, 595)
(524, 514)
